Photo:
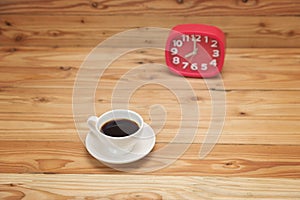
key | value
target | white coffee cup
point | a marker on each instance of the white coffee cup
(116, 145)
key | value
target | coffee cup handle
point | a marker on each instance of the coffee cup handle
(92, 121)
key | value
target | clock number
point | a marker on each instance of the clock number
(216, 53)
(185, 64)
(176, 60)
(194, 66)
(213, 62)
(206, 39)
(174, 51)
(177, 43)
(196, 37)
(204, 66)
(185, 38)
(214, 43)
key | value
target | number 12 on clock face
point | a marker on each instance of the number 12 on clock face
(195, 50)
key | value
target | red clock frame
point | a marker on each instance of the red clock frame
(195, 50)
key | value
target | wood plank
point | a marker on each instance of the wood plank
(64, 31)
(38, 114)
(240, 103)
(245, 69)
(235, 131)
(161, 8)
(224, 160)
(114, 187)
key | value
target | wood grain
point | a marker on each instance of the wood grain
(138, 7)
(89, 31)
(144, 187)
(41, 114)
(254, 104)
(224, 160)
(43, 43)
(263, 113)
(235, 131)
(245, 69)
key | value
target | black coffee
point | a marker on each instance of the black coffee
(119, 128)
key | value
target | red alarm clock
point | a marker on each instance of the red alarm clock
(195, 50)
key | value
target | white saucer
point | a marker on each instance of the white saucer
(140, 150)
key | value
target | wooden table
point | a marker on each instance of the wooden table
(42, 45)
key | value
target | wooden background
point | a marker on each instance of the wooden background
(44, 42)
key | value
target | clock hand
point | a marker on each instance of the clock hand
(195, 50)
(189, 54)
(192, 53)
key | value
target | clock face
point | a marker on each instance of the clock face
(195, 53)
